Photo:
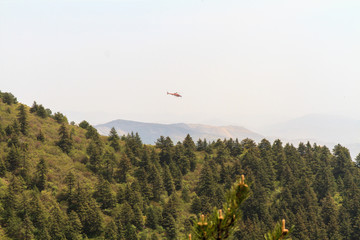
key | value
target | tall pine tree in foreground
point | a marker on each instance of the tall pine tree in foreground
(221, 223)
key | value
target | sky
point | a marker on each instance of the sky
(249, 63)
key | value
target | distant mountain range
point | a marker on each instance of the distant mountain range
(150, 132)
(326, 130)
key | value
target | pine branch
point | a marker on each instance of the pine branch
(279, 232)
(221, 224)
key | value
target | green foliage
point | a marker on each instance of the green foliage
(40, 137)
(65, 142)
(220, 224)
(279, 232)
(60, 118)
(41, 178)
(14, 159)
(114, 139)
(8, 98)
(23, 119)
(40, 110)
(84, 124)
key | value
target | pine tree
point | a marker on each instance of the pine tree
(329, 216)
(168, 181)
(13, 159)
(95, 156)
(114, 139)
(109, 162)
(40, 137)
(138, 217)
(130, 232)
(206, 185)
(166, 146)
(123, 168)
(169, 226)
(91, 217)
(157, 183)
(104, 195)
(220, 223)
(34, 107)
(196, 205)
(65, 142)
(60, 118)
(177, 176)
(23, 120)
(126, 214)
(41, 111)
(41, 171)
(27, 228)
(57, 223)
(111, 231)
(152, 219)
(74, 227)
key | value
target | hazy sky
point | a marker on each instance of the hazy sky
(243, 62)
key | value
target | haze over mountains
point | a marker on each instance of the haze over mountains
(150, 132)
(322, 129)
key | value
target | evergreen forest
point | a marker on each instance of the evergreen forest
(61, 180)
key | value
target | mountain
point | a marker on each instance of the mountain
(320, 128)
(150, 132)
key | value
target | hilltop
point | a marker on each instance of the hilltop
(59, 180)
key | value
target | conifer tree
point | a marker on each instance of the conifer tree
(206, 185)
(104, 195)
(126, 214)
(168, 181)
(74, 227)
(84, 124)
(40, 137)
(123, 168)
(13, 159)
(196, 205)
(2, 168)
(157, 183)
(60, 118)
(168, 223)
(8, 98)
(41, 111)
(138, 217)
(57, 223)
(114, 139)
(41, 171)
(166, 146)
(220, 223)
(34, 107)
(130, 232)
(152, 219)
(176, 174)
(65, 142)
(23, 120)
(90, 217)
(111, 231)
(95, 156)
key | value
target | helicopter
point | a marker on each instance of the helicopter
(174, 94)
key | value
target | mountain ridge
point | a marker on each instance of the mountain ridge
(150, 132)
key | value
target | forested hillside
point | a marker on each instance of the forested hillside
(63, 181)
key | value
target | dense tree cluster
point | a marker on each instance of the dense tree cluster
(60, 181)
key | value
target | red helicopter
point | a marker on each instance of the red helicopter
(174, 94)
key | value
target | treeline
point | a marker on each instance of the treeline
(119, 188)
